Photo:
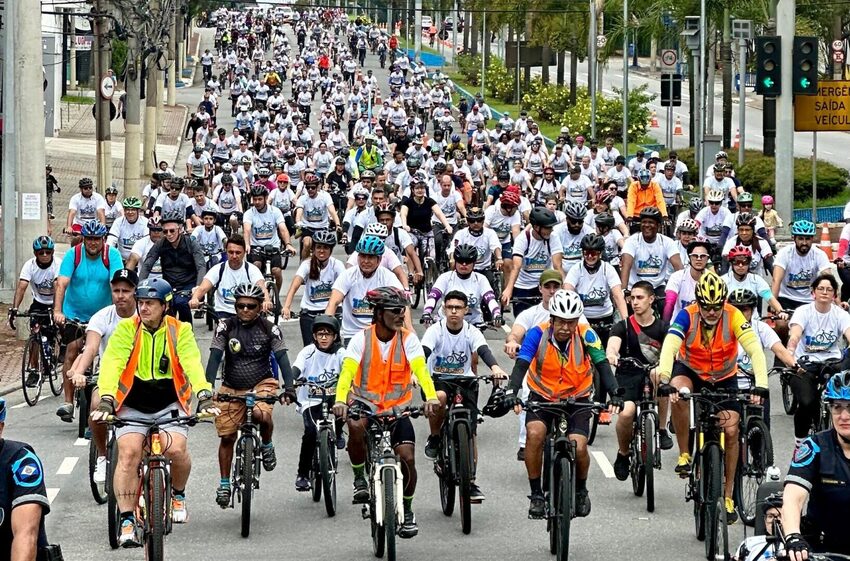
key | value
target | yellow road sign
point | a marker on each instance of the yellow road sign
(829, 110)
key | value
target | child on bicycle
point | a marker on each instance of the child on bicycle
(771, 219)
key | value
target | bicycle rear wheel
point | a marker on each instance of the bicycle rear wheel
(465, 468)
(98, 490)
(316, 475)
(715, 509)
(442, 467)
(113, 514)
(789, 402)
(390, 515)
(721, 552)
(648, 460)
(157, 512)
(756, 457)
(247, 483)
(274, 296)
(32, 352)
(564, 508)
(83, 413)
(327, 465)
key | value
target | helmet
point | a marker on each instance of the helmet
(688, 225)
(111, 190)
(643, 176)
(604, 197)
(368, 174)
(695, 205)
(370, 245)
(566, 304)
(767, 200)
(721, 155)
(226, 179)
(259, 191)
(154, 289)
(466, 253)
(176, 216)
(542, 217)
(339, 161)
(711, 289)
(651, 212)
(745, 198)
(739, 251)
(311, 178)
(838, 387)
(327, 321)
(509, 198)
(803, 228)
(94, 229)
(475, 213)
(42, 242)
(715, 195)
(604, 220)
(719, 168)
(324, 237)
(497, 405)
(743, 297)
(773, 500)
(155, 224)
(504, 175)
(439, 167)
(86, 182)
(670, 165)
(574, 210)
(131, 202)
(376, 229)
(746, 219)
(387, 297)
(248, 290)
(412, 163)
(592, 242)
(455, 138)
(264, 171)
(385, 208)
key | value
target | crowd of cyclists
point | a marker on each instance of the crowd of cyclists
(403, 192)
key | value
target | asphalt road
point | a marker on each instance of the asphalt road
(288, 525)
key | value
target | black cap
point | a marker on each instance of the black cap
(126, 275)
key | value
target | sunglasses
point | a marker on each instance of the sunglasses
(396, 311)
(360, 197)
(572, 221)
(698, 256)
(44, 252)
(474, 220)
(712, 307)
(245, 306)
(170, 230)
(592, 253)
(714, 203)
(465, 262)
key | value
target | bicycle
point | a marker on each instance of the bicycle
(325, 461)
(42, 344)
(113, 513)
(268, 252)
(645, 455)
(385, 510)
(429, 268)
(559, 465)
(245, 475)
(153, 509)
(455, 464)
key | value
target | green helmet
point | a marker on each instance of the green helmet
(745, 197)
(131, 202)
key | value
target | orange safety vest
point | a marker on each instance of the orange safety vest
(181, 384)
(713, 360)
(384, 383)
(556, 377)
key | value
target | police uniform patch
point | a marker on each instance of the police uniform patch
(27, 471)
(805, 453)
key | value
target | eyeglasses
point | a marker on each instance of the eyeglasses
(839, 408)
(170, 230)
(396, 311)
(312, 187)
(455, 308)
(825, 289)
(245, 306)
(323, 334)
(711, 307)
(44, 252)
(698, 256)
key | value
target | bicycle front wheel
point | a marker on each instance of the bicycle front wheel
(327, 465)
(32, 355)
(98, 490)
(112, 512)
(390, 514)
(648, 460)
(465, 469)
(83, 413)
(721, 539)
(378, 530)
(316, 474)
(756, 457)
(564, 508)
(637, 469)
(247, 483)
(53, 372)
(789, 402)
(157, 512)
(715, 509)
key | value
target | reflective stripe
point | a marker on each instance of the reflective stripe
(705, 367)
(398, 393)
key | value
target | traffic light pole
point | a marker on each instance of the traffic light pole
(742, 98)
(784, 114)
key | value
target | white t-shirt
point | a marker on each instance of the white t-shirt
(448, 204)
(42, 281)
(484, 244)
(140, 250)
(124, 234)
(264, 226)
(611, 253)
(650, 259)
(571, 244)
(316, 215)
(822, 333)
(356, 313)
(412, 347)
(800, 271)
(536, 257)
(404, 241)
(595, 288)
(711, 224)
(475, 287)
(752, 282)
(451, 353)
(317, 292)
(104, 323)
(211, 241)
(389, 260)
(683, 284)
(226, 200)
(86, 207)
(316, 366)
(501, 224)
(576, 190)
(767, 337)
(227, 279)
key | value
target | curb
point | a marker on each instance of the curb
(10, 389)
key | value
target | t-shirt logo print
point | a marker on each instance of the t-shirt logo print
(452, 364)
(649, 267)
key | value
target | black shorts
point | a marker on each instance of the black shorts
(730, 383)
(258, 257)
(579, 423)
(41, 312)
(403, 433)
(310, 232)
(469, 391)
(631, 383)
(788, 304)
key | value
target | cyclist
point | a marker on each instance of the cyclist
(465, 279)
(718, 181)
(484, 240)
(557, 358)
(644, 193)
(648, 255)
(571, 232)
(762, 253)
(175, 202)
(504, 219)
(740, 276)
(210, 237)
(671, 186)
(85, 206)
(704, 339)
(82, 289)
(265, 226)
(745, 206)
(142, 247)
(398, 240)
(796, 266)
(816, 330)
(138, 383)
(534, 251)
(244, 343)
(450, 346)
(762, 547)
(129, 228)
(228, 197)
(818, 468)
(712, 217)
(417, 211)
(314, 211)
(379, 364)
(694, 206)
(577, 187)
(640, 337)
(682, 283)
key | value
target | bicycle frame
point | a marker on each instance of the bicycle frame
(383, 457)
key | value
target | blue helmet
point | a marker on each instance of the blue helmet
(154, 289)
(2, 410)
(803, 228)
(42, 242)
(838, 387)
(370, 245)
(644, 176)
(94, 229)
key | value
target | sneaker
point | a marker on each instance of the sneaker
(222, 496)
(475, 494)
(361, 490)
(683, 466)
(340, 441)
(432, 447)
(33, 379)
(66, 412)
(128, 537)
(582, 503)
(99, 475)
(302, 484)
(178, 509)
(537, 506)
(269, 457)
(664, 440)
(408, 528)
(87, 434)
(604, 418)
(621, 467)
(731, 513)
(520, 454)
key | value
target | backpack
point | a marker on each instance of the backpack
(78, 256)
(221, 267)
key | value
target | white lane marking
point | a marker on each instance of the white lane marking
(604, 464)
(18, 406)
(51, 494)
(81, 442)
(506, 329)
(67, 465)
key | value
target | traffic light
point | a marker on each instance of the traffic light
(768, 66)
(805, 72)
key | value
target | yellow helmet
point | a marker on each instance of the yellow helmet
(711, 289)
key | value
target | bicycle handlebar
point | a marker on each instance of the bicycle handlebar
(635, 363)
(182, 420)
(244, 398)
(385, 416)
(560, 406)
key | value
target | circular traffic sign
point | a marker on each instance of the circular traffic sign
(601, 41)
(838, 45)
(107, 87)
(668, 57)
(838, 57)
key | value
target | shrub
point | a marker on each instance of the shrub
(470, 67)
(501, 83)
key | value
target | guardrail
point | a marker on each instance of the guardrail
(825, 214)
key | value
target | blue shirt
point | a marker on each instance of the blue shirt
(89, 290)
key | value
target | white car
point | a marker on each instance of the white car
(427, 22)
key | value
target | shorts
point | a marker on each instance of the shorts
(71, 333)
(129, 413)
(578, 423)
(788, 304)
(233, 412)
(469, 391)
(507, 249)
(631, 383)
(403, 433)
(730, 383)
(310, 232)
(40, 310)
(258, 257)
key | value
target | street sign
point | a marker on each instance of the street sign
(829, 110)
(668, 58)
(838, 57)
(671, 90)
(601, 41)
(838, 45)
(107, 87)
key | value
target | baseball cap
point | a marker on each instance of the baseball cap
(550, 275)
(126, 275)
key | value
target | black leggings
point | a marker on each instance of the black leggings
(805, 388)
(308, 440)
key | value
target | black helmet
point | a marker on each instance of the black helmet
(575, 210)
(474, 213)
(774, 500)
(325, 237)
(544, 217)
(226, 179)
(746, 219)
(741, 297)
(604, 220)
(497, 405)
(466, 253)
(592, 242)
(439, 167)
(387, 297)
(327, 321)
(259, 191)
(504, 175)
(651, 212)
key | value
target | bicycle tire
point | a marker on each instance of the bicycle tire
(721, 552)
(756, 457)
(99, 493)
(465, 470)
(247, 481)
(417, 294)
(550, 484)
(113, 513)
(157, 512)
(316, 475)
(713, 474)
(83, 413)
(637, 470)
(378, 530)
(284, 260)
(390, 516)
(594, 426)
(564, 508)
(274, 296)
(32, 394)
(327, 464)
(648, 460)
(54, 377)
(698, 496)
(789, 402)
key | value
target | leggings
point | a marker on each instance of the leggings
(308, 439)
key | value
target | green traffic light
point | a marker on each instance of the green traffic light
(768, 82)
(805, 83)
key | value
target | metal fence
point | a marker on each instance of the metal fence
(825, 214)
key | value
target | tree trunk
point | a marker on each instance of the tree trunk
(544, 70)
(487, 47)
(473, 34)
(467, 24)
(559, 73)
(573, 75)
(726, 58)
(709, 82)
(692, 73)
(835, 70)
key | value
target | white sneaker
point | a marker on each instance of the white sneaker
(100, 470)
(178, 509)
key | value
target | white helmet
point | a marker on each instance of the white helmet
(376, 229)
(359, 190)
(715, 195)
(566, 304)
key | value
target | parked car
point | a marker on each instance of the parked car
(449, 23)
(427, 22)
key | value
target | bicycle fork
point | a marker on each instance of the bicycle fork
(378, 486)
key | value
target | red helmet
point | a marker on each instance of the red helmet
(604, 197)
(512, 188)
(740, 251)
(510, 198)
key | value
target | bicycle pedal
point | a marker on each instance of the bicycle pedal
(364, 512)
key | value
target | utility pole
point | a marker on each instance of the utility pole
(417, 33)
(133, 101)
(626, 77)
(172, 62)
(10, 144)
(591, 67)
(152, 95)
(72, 53)
(455, 23)
(103, 100)
(785, 16)
(180, 37)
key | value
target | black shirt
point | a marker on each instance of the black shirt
(21, 482)
(338, 181)
(640, 343)
(419, 215)
(247, 349)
